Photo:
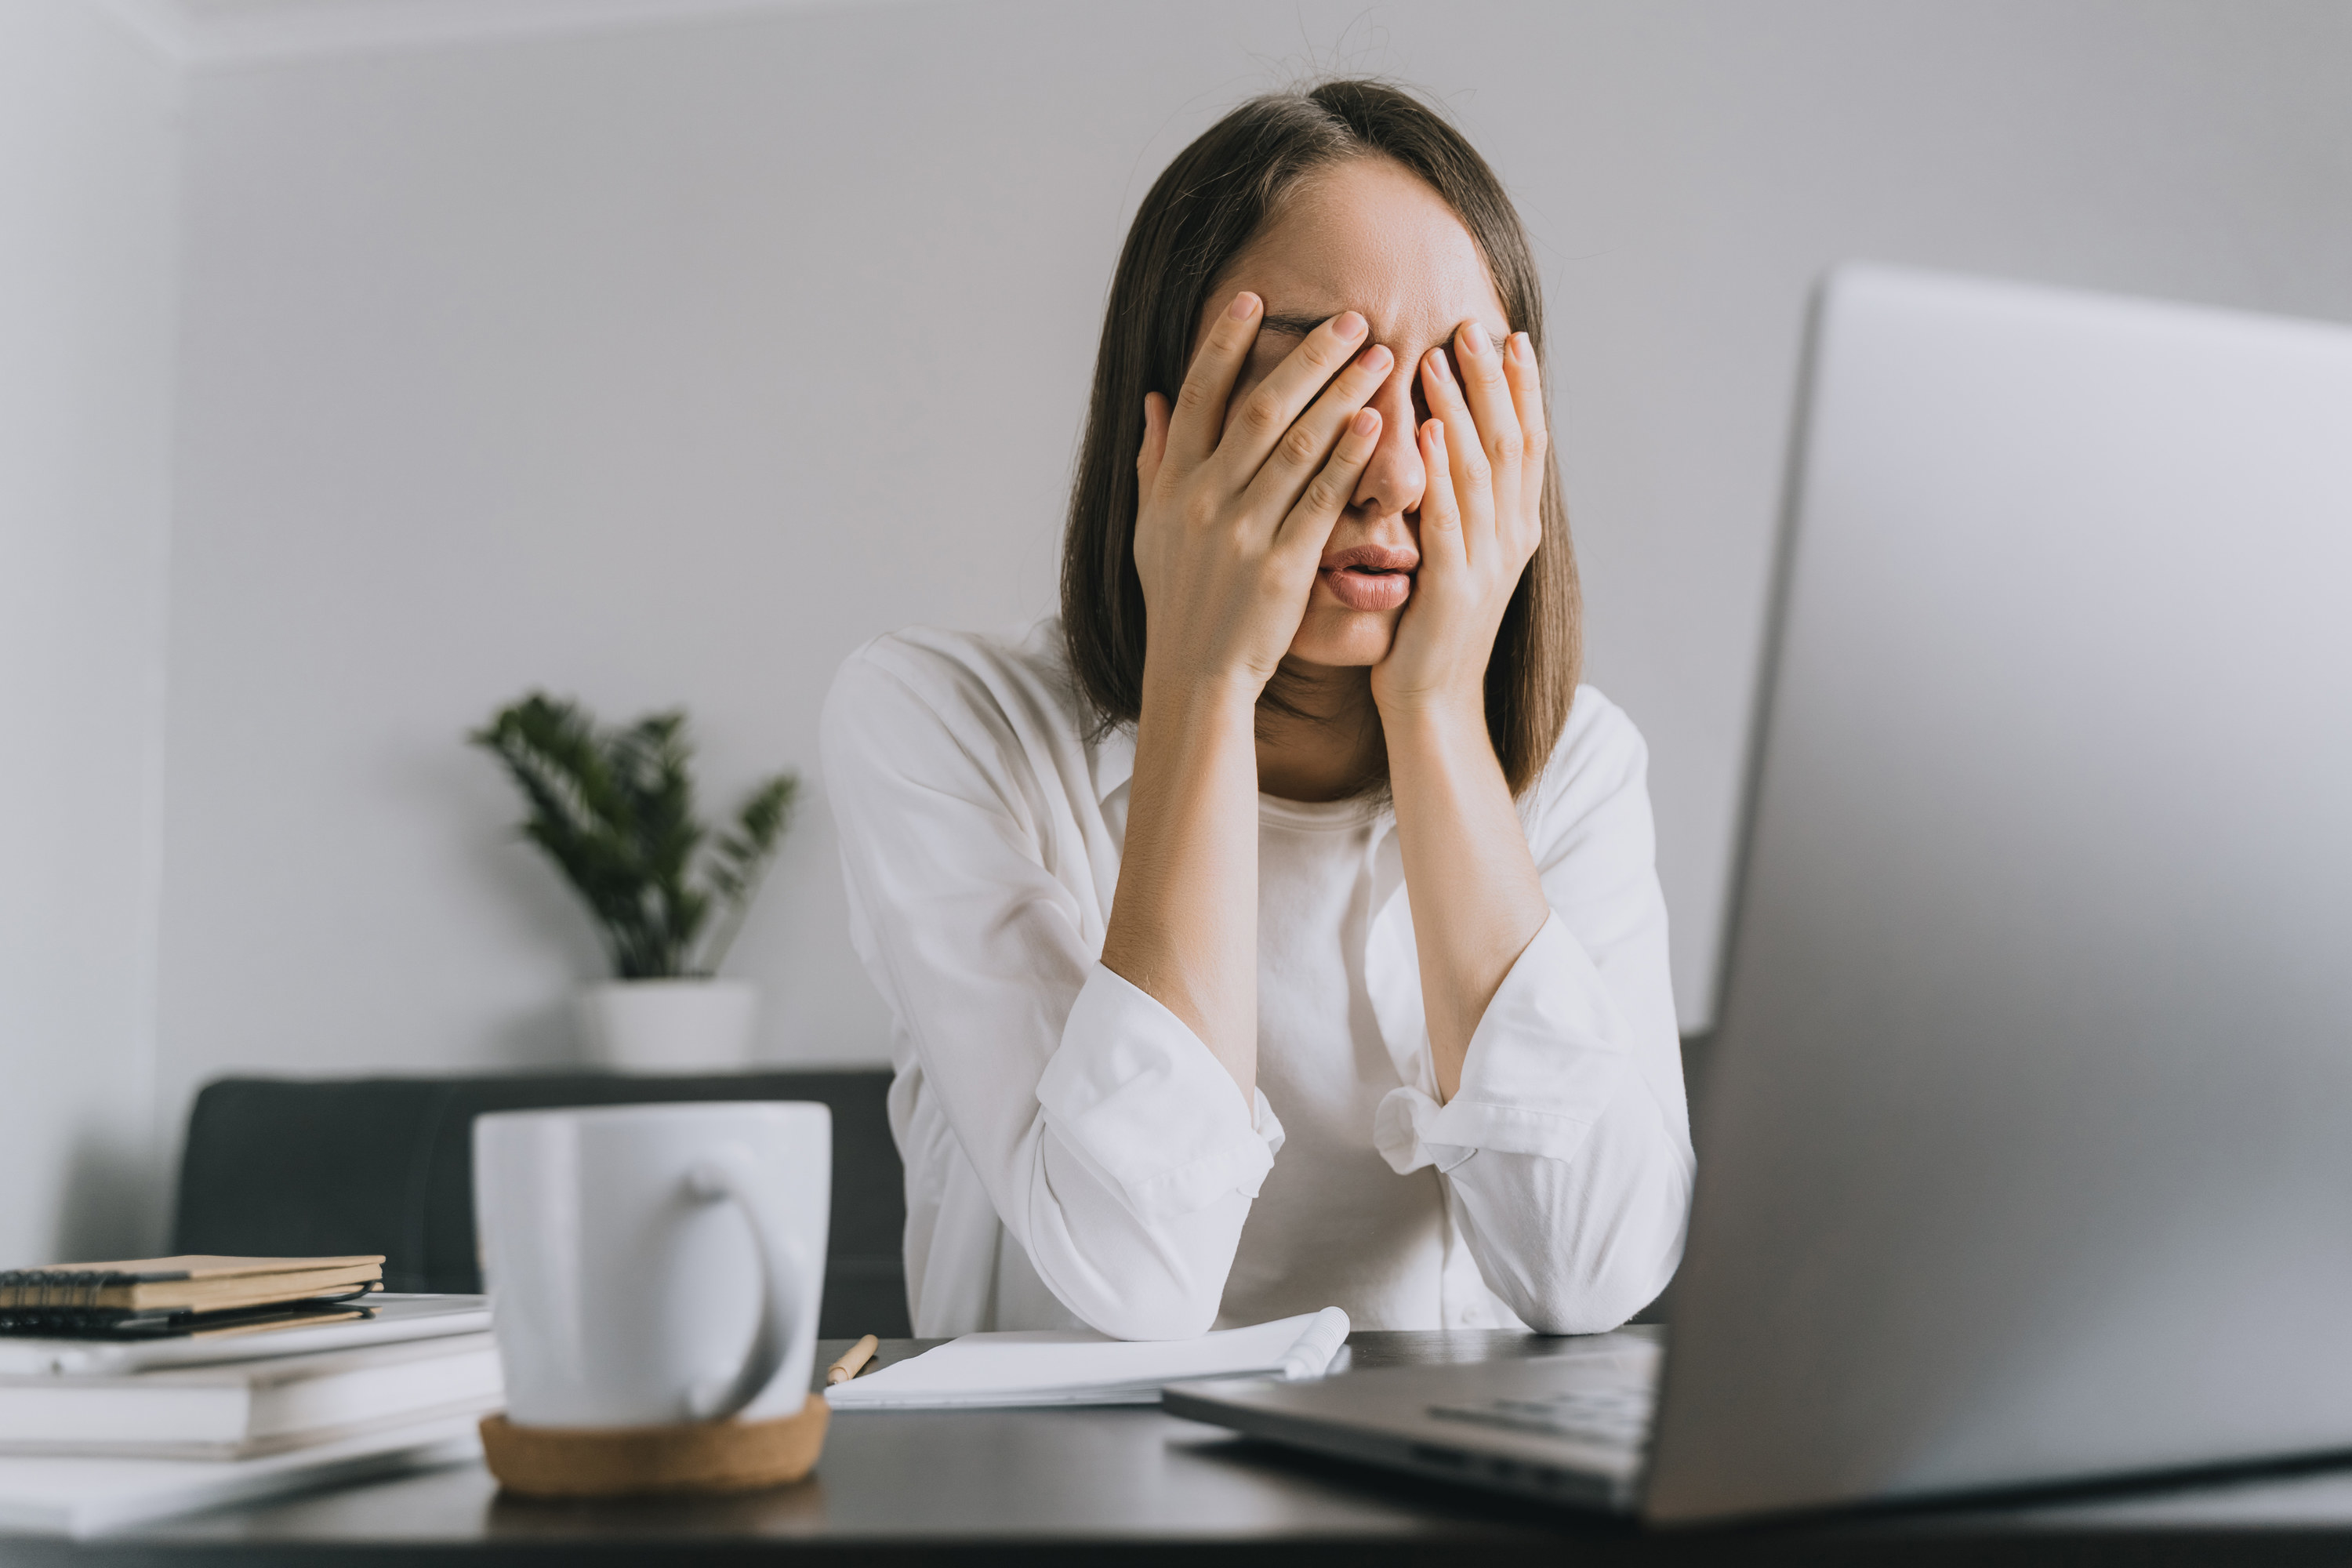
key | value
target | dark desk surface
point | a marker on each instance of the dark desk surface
(1028, 1486)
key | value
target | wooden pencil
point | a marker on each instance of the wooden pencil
(853, 1358)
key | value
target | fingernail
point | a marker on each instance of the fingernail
(1437, 429)
(1523, 348)
(1476, 336)
(1437, 365)
(1377, 359)
(1351, 325)
(1244, 303)
(1366, 422)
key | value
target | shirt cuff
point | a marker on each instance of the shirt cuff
(1544, 1063)
(1135, 1094)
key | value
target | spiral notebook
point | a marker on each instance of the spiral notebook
(163, 1296)
(1078, 1366)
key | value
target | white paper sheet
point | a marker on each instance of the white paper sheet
(1077, 1366)
(398, 1316)
(82, 1496)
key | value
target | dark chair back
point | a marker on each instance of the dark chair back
(292, 1167)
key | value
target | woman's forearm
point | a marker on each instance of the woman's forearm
(1476, 898)
(1230, 524)
(1183, 923)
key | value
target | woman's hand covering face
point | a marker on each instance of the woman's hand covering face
(1481, 518)
(1234, 512)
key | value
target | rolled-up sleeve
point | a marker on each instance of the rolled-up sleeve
(1135, 1095)
(1567, 1146)
(1113, 1147)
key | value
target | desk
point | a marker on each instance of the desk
(1063, 1486)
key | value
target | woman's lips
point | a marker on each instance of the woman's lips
(1370, 577)
(1363, 590)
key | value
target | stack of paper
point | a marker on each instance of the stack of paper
(84, 1495)
(1077, 1366)
(97, 1434)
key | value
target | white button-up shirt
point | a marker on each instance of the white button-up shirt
(1075, 1154)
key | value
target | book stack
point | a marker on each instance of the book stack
(131, 1390)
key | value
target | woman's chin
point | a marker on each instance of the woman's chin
(1337, 637)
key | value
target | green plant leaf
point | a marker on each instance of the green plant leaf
(739, 859)
(615, 812)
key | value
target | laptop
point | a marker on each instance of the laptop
(2026, 1154)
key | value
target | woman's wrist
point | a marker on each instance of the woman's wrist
(1441, 718)
(1194, 702)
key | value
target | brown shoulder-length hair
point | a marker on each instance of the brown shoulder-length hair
(1200, 214)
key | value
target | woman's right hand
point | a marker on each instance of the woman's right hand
(1234, 512)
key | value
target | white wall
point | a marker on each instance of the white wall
(86, 190)
(668, 364)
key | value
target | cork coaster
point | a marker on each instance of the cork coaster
(635, 1461)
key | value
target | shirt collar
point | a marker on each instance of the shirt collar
(1114, 769)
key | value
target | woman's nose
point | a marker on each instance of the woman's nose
(1392, 480)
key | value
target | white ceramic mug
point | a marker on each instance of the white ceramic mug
(653, 1263)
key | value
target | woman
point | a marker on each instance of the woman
(1278, 929)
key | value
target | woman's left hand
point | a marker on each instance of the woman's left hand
(1481, 520)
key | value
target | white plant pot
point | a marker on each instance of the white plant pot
(668, 1026)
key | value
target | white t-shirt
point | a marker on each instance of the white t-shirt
(1333, 1225)
(1075, 1154)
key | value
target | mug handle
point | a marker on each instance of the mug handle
(779, 1344)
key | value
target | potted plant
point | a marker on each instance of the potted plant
(614, 809)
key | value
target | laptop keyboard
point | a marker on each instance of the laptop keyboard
(1616, 1418)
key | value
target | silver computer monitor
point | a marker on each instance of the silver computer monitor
(2027, 1152)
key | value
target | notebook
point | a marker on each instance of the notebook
(174, 1294)
(77, 1496)
(239, 1409)
(1078, 1366)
